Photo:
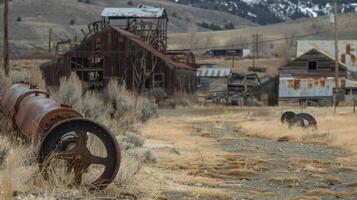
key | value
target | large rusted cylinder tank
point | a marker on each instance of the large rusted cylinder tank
(61, 133)
(33, 111)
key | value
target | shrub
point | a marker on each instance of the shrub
(37, 79)
(72, 22)
(168, 104)
(210, 26)
(133, 138)
(130, 140)
(125, 146)
(229, 26)
(122, 104)
(70, 90)
(92, 106)
(147, 110)
(144, 154)
(18, 19)
(182, 102)
(19, 76)
(159, 94)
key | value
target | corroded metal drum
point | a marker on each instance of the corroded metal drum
(33, 111)
(61, 133)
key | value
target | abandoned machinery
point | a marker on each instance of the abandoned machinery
(301, 119)
(63, 135)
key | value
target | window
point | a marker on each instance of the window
(350, 91)
(158, 81)
(93, 76)
(312, 65)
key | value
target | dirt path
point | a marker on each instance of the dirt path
(205, 157)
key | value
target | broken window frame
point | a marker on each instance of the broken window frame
(158, 83)
(351, 91)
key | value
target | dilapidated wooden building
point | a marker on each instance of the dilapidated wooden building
(114, 53)
(310, 78)
(148, 22)
(225, 52)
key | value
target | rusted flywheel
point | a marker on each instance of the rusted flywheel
(68, 140)
(63, 134)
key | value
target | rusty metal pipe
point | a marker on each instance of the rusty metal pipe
(51, 125)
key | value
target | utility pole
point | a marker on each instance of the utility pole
(49, 41)
(233, 56)
(254, 50)
(255, 47)
(337, 86)
(6, 38)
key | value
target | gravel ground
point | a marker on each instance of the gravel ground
(272, 169)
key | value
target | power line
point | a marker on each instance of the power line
(199, 48)
(262, 41)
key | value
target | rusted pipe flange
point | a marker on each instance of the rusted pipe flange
(78, 156)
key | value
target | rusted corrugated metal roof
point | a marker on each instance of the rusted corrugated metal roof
(142, 11)
(151, 49)
(213, 72)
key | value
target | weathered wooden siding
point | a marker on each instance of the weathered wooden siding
(123, 56)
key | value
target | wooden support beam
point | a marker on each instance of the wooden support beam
(6, 38)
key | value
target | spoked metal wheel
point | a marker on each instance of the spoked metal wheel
(90, 152)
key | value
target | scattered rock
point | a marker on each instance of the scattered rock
(284, 139)
(346, 169)
(321, 192)
(332, 180)
(291, 181)
(242, 173)
(352, 184)
(257, 193)
(305, 198)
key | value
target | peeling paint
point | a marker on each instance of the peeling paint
(322, 82)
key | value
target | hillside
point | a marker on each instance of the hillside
(270, 11)
(275, 35)
(31, 20)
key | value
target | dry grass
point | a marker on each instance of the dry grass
(20, 176)
(16, 174)
(130, 166)
(36, 78)
(333, 130)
